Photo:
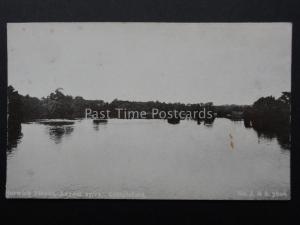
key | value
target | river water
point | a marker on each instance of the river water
(146, 159)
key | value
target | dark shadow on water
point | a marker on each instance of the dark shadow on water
(173, 120)
(14, 136)
(58, 132)
(282, 136)
(269, 131)
(98, 126)
(97, 123)
(206, 122)
(209, 123)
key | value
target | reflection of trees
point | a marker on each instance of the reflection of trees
(284, 139)
(97, 125)
(14, 135)
(281, 133)
(209, 122)
(14, 127)
(57, 132)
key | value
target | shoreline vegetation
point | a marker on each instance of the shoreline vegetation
(268, 116)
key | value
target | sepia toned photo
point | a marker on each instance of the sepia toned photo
(197, 111)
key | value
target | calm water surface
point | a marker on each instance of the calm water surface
(147, 159)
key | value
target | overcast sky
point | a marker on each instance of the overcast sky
(174, 62)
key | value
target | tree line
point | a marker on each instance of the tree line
(268, 116)
(269, 111)
(59, 105)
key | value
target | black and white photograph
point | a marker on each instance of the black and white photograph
(149, 110)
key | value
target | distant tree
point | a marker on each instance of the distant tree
(59, 105)
(78, 106)
(32, 108)
(265, 103)
(285, 98)
(270, 113)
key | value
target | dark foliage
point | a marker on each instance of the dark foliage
(60, 106)
(271, 118)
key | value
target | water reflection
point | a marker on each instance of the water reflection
(270, 131)
(58, 132)
(186, 153)
(97, 126)
(99, 122)
(14, 136)
(282, 136)
(206, 122)
(58, 129)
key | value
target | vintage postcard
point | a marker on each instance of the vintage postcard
(197, 111)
